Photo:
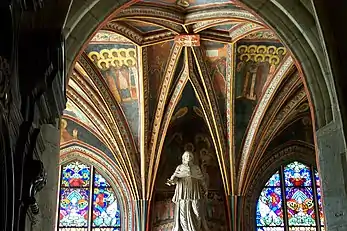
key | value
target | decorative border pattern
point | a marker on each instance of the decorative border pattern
(166, 86)
(144, 102)
(125, 31)
(97, 104)
(118, 124)
(244, 29)
(230, 110)
(201, 96)
(218, 13)
(290, 84)
(167, 118)
(151, 12)
(275, 124)
(280, 119)
(229, 86)
(263, 104)
(213, 105)
(202, 25)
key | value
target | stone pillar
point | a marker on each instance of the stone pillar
(234, 213)
(332, 164)
(142, 221)
(47, 197)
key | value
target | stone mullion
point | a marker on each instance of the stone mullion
(284, 199)
(91, 192)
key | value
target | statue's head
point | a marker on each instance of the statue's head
(187, 157)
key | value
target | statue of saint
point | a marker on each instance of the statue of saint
(190, 195)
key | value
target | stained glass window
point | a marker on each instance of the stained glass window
(87, 201)
(291, 198)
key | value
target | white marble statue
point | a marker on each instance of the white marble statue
(190, 195)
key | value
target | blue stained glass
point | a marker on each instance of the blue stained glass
(274, 180)
(269, 208)
(73, 229)
(317, 179)
(106, 210)
(99, 181)
(106, 229)
(302, 229)
(270, 229)
(297, 174)
(75, 174)
(300, 206)
(73, 207)
(321, 215)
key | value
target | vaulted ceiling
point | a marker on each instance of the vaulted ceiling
(158, 65)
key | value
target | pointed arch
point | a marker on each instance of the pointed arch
(118, 183)
(258, 115)
(291, 198)
(202, 98)
(215, 113)
(177, 93)
(164, 93)
(126, 148)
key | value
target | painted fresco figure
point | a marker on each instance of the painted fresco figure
(249, 84)
(241, 70)
(219, 75)
(133, 78)
(262, 75)
(123, 83)
(190, 195)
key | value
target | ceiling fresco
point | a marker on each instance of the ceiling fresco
(118, 64)
(142, 78)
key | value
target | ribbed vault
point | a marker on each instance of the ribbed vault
(127, 86)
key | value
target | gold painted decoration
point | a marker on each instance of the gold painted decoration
(183, 3)
(179, 114)
(189, 40)
(198, 111)
(261, 53)
(114, 57)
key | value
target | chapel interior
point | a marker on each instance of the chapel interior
(99, 99)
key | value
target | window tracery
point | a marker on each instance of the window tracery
(291, 200)
(86, 201)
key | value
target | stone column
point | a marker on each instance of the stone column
(332, 164)
(47, 197)
(234, 213)
(142, 220)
